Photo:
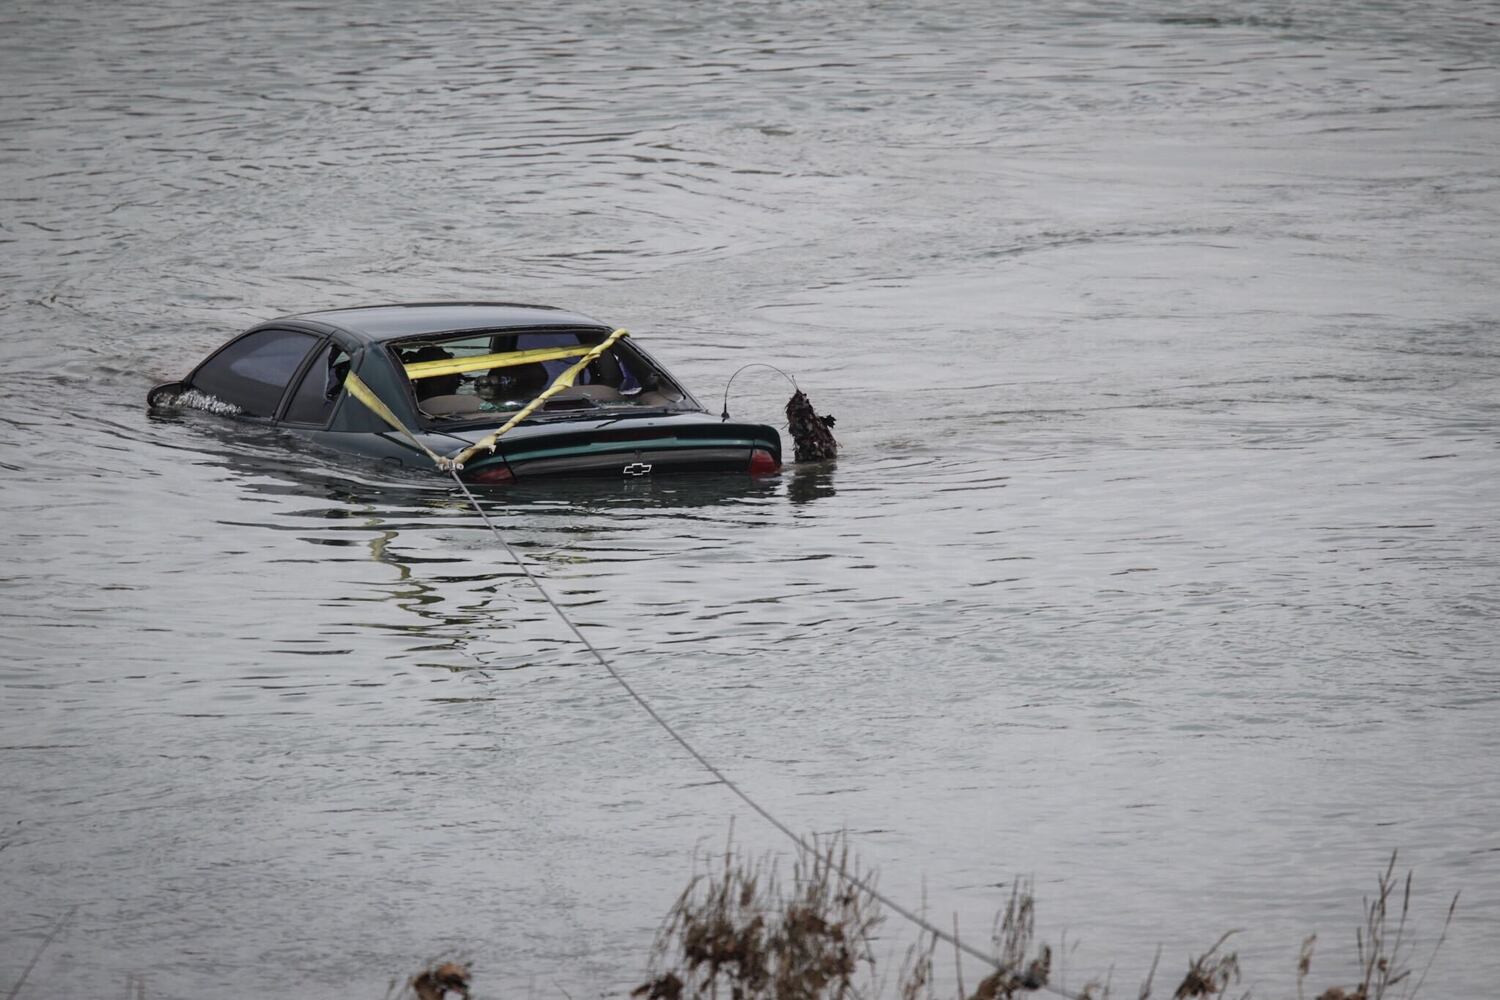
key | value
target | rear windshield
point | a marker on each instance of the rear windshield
(482, 376)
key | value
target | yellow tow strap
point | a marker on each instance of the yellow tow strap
(560, 383)
(477, 362)
(362, 392)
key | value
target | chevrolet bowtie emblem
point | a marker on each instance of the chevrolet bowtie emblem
(637, 468)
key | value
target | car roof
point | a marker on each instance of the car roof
(397, 321)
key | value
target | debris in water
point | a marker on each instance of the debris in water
(814, 441)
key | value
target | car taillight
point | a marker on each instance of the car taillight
(497, 473)
(762, 462)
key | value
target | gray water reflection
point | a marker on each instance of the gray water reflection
(1160, 560)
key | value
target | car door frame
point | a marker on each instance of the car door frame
(320, 337)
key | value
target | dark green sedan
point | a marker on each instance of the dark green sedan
(494, 391)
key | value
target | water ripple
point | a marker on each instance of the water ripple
(1159, 555)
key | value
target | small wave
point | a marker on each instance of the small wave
(193, 399)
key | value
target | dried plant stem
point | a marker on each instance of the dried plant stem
(958, 959)
(739, 932)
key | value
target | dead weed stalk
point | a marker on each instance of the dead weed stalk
(1384, 951)
(438, 981)
(1210, 974)
(1015, 927)
(742, 932)
(739, 931)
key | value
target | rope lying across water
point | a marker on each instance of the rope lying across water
(709, 766)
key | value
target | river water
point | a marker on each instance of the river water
(1160, 562)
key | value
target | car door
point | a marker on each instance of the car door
(312, 402)
(251, 373)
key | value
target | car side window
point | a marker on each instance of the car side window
(320, 387)
(252, 373)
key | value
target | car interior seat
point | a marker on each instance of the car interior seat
(439, 395)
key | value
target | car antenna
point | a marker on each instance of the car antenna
(810, 432)
(753, 364)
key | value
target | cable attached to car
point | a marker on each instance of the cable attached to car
(862, 884)
(362, 392)
(452, 465)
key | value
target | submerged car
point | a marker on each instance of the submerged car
(495, 391)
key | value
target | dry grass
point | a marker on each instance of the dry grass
(439, 981)
(739, 933)
(1017, 968)
(1384, 949)
(1209, 975)
(735, 933)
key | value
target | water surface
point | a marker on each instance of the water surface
(1160, 562)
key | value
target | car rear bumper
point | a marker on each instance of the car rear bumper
(633, 450)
